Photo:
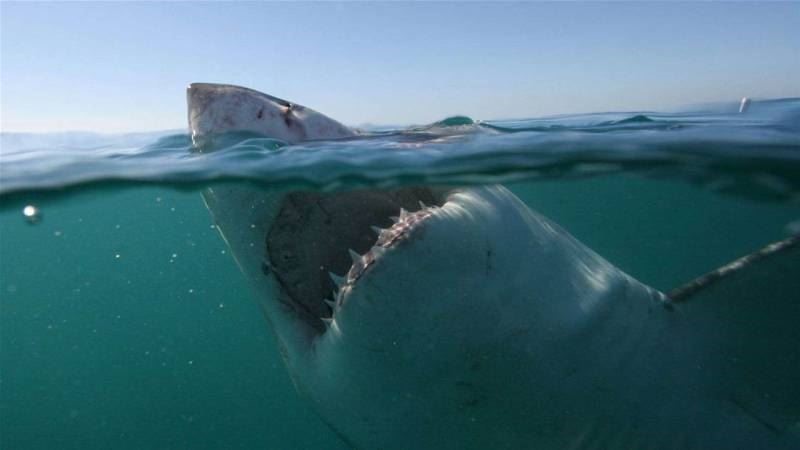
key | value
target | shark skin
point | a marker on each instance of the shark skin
(470, 321)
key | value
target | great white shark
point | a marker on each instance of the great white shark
(469, 321)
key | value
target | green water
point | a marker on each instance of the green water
(124, 322)
(126, 325)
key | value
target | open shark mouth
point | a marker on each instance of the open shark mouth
(319, 245)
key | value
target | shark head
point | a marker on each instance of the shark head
(319, 248)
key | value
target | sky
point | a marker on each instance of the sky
(114, 67)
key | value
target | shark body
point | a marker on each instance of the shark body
(470, 321)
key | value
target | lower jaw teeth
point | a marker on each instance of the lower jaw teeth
(386, 238)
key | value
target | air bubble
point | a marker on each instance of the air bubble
(32, 214)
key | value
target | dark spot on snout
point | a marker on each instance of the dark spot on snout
(260, 113)
(288, 118)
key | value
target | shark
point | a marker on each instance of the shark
(429, 317)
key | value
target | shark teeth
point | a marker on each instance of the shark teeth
(404, 223)
(402, 226)
(337, 280)
(387, 237)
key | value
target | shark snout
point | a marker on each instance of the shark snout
(220, 108)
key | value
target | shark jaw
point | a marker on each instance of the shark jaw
(320, 245)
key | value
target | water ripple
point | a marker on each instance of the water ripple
(751, 154)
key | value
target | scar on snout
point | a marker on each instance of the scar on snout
(260, 113)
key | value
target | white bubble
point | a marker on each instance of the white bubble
(32, 214)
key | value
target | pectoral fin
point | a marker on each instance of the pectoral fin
(748, 313)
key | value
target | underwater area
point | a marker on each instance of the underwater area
(126, 323)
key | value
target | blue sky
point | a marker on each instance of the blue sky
(124, 66)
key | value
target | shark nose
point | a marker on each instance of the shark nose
(199, 97)
(201, 86)
(199, 94)
(196, 93)
(193, 88)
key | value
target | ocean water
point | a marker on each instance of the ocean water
(125, 323)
